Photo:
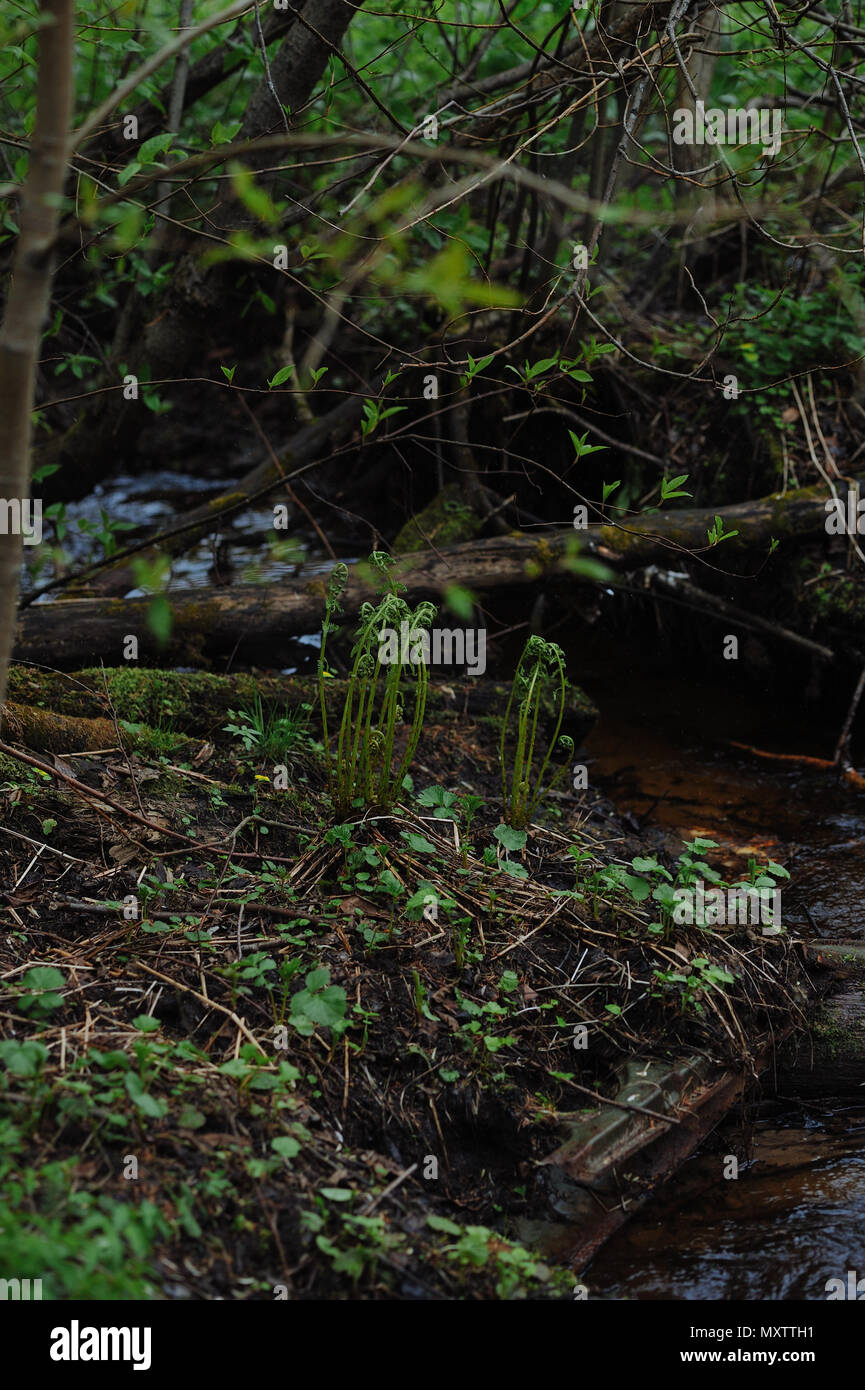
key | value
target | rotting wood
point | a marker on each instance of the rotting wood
(47, 732)
(248, 622)
(609, 1165)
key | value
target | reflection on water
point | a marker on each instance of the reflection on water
(249, 549)
(793, 1219)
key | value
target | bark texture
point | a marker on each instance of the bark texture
(29, 293)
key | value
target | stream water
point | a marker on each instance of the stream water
(793, 1219)
(795, 1216)
(154, 499)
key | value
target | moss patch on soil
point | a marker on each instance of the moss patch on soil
(196, 702)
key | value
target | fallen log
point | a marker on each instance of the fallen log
(47, 732)
(198, 702)
(249, 622)
(830, 1060)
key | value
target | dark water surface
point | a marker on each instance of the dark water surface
(795, 1216)
(792, 1220)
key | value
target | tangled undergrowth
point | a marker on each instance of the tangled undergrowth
(252, 1052)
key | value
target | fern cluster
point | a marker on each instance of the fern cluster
(361, 765)
(541, 671)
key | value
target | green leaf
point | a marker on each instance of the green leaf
(154, 146)
(285, 1146)
(441, 1223)
(317, 979)
(43, 977)
(146, 1023)
(475, 367)
(224, 134)
(282, 375)
(460, 601)
(190, 1118)
(23, 1058)
(131, 169)
(581, 447)
(315, 1004)
(539, 368)
(146, 1103)
(664, 894)
(670, 487)
(235, 1067)
(437, 797)
(418, 843)
(639, 888)
(254, 199)
(508, 838)
(508, 866)
(647, 866)
(160, 618)
(328, 1007)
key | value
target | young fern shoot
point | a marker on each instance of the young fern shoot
(338, 581)
(540, 671)
(361, 769)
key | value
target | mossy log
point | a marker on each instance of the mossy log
(248, 622)
(446, 520)
(45, 731)
(196, 702)
(830, 1059)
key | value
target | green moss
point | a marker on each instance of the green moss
(154, 742)
(187, 701)
(835, 1040)
(827, 1032)
(446, 520)
(196, 703)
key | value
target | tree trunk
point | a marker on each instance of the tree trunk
(198, 296)
(27, 304)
